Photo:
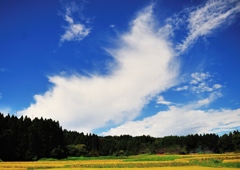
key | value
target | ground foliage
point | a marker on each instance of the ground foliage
(228, 161)
(24, 139)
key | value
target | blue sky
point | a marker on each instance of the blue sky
(123, 67)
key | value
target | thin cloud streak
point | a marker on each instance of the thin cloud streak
(181, 88)
(203, 21)
(145, 67)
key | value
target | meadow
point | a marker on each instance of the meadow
(230, 161)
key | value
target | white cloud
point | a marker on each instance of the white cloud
(182, 121)
(201, 82)
(74, 31)
(161, 100)
(213, 96)
(145, 67)
(197, 77)
(201, 87)
(217, 86)
(181, 88)
(69, 19)
(194, 82)
(204, 20)
(166, 31)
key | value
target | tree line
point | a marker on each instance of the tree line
(23, 139)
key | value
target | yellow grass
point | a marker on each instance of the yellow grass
(182, 163)
(157, 168)
(229, 156)
(231, 160)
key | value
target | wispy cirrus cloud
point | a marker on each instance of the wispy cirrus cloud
(75, 30)
(212, 97)
(202, 21)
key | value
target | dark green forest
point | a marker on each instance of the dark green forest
(23, 139)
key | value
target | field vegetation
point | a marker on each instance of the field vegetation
(230, 161)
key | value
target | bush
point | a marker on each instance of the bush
(57, 153)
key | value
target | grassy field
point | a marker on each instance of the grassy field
(229, 161)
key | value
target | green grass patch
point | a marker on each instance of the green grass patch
(231, 164)
(96, 158)
(132, 165)
(152, 158)
(48, 159)
(211, 162)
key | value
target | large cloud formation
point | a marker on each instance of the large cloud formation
(191, 117)
(144, 67)
(181, 121)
